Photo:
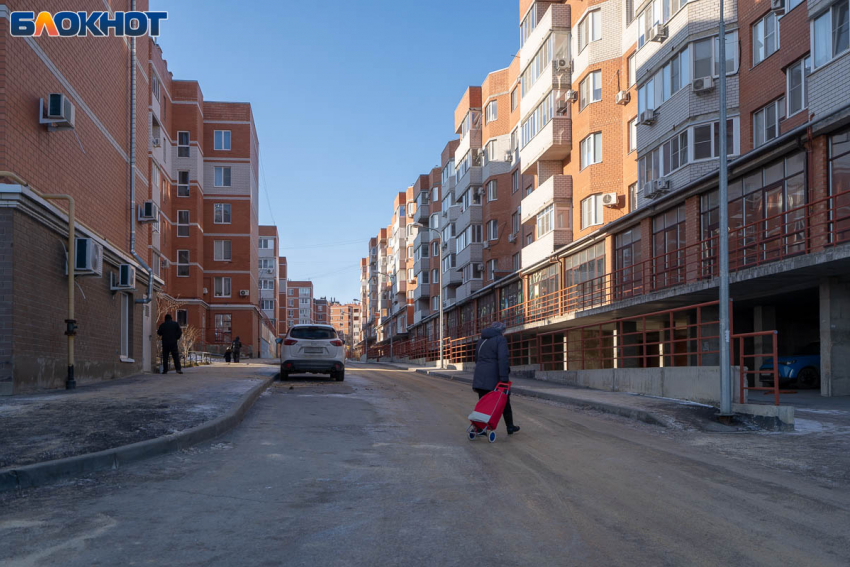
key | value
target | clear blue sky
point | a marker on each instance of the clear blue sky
(352, 100)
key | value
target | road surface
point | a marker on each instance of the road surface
(377, 471)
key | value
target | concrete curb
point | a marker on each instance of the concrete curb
(623, 411)
(51, 471)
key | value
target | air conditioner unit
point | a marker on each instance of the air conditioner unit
(571, 96)
(778, 7)
(148, 212)
(622, 97)
(59, 113)
(512, 237)
(658, 33)
(445, 245)
(156, 142)
(561, 65)
(648, 117)
(88, 258)
(655, 188)
(243, 293)
(125, 279)
(703, 85)
(509, 156)
(206, 291)
(610, 199)
(486, 245)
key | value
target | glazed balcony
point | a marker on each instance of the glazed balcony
(552, 142)
(472, 215)
(557, 190)
(557, 20)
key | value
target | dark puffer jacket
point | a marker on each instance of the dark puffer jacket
(492, 364)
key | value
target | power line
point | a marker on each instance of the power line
(266, 191)
(332, 245)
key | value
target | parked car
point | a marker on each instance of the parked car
(312, 349)
(801, 369)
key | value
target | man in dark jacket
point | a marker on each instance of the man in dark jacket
(492, 365)
(170, 332)
(236, 348)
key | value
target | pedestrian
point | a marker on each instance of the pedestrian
(492, 365)
(227, 353)
(237, 349)
(170, 332)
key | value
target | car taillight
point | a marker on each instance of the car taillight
(336, 342)
(289, 342)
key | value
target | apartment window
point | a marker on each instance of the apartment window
(435, 195)
(674, 153)
(539, 118)
(411, 208)
(539, 63)
(266, 285)
(182, 183)
(492, 191)
(435, 248)
(182, 144)
(425, 278)
(182, 263)
(267, 304)
(656, 12)
(514, 99)
(472, 271)
(528, 190)
(222, 140)
(492, 230)
(435, 276)
(221, 287)
(545, 220)
(591, 150)
(675, 75)
(632, 70)
(155, 86)
(221, 214)
(795, 77)
(703, 58)
(633, 197)
(182, 317)
(591, 211)
(515, 217)
(589, 29)
(304, 292)
(627, 258)
(222, 327)
(831, 33)
(266, 264)
(266, 243)
(765, 38)
(633, 134)
(222, 177)
(434, 221)
(668, 240)
(222, 251)
(766, 122)
(126, 328)
(590, 89)
(304, 301)
(182, 223)
(515, 181)
(529, 22)
(516, 263)
(491, 112)
(492, 266)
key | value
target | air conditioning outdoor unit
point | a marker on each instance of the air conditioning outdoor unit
(509, 156)
(243, 293)
(486, 245)
(655, 188)
(148, 212)
(59, 113)
(206, 291)
(156, 142)
(512, 237)
(88, 258)
(571, 96)
(778, 7)
(445, 245)
(658, 33)
(648, 117)
(125, 279)
(561, 65)
(622, 97)
(610, 199)
(703, 85)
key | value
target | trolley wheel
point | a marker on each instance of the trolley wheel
(472, 435)
(492, 437)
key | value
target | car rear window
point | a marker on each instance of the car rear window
(312, 333)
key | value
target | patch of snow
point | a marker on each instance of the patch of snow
(821, 411)
(803, 426)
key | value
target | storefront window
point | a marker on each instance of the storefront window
(583, 284)
(629, 276)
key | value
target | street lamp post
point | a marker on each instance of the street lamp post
(723, 237)
(366, 339)
(419, 225)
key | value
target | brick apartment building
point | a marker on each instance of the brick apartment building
(299, 303)
(282, 299)
(345, 318)
(612, 156)
(321, 311)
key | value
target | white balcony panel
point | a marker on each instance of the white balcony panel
(557, 17)
(471, 179)
(553, 142)
(472, 253)
(472, 215)
(543, 247)
(557, 190)
(472, 140)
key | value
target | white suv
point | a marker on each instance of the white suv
(314, 349)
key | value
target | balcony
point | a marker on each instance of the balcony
(472, 141)
(471, 215)
(422, 265)
(467, 289)
(422, 292)
(472, 253)
(470, 178)
(422, 213)
(557, 190)
(553, 142)
(543, 247)
(556, 19)
(452, 278)
(422, 239)
(450, 215)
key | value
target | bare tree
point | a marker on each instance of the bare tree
(187, 341)
(166, 304)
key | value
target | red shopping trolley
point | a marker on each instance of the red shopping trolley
(487, 413)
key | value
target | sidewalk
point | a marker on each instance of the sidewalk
(60, 424)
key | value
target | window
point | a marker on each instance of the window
(492, 191)
(831, 33)
(591, 211)
(766, 122)
(491, 111)
(516, 263)
(435, 276)
(182, 144)
(266, 243)
(514, 99)
(266, 264)
(449, 262)
(795, 77)
(589, 29)
(222, 250)
(529, 22)
(182, 183)
(633, 134)
(425, 278)
(435, 248)
(490, 152)
(221, 213)
(633, 197)
(222, 177)
(435, 195)
(221, 287)
(591, 150)
(182, 223)
(222, 140)
(182, 263)
(472, 271)
(492, 230)
(155, 86)
(674, 153)
(706, 55)
(222, 328)
(668, 242)
(545, 220)
(672, 77)
(515, 181)
(539, 63)
(765, 38)
(267, 304)
(182, 317)
(627, 255)
(703, 58)
(515, 222)
(632, 70)
(656, 12)
(492, 266)
(266, 285)
(590, 89)
(539, 118)
(125, 326)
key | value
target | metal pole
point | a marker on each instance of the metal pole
(723, 237)
(440, 298)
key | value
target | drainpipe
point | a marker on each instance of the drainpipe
(148, 269)
(70, 322)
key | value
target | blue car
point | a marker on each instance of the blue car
(801, 369)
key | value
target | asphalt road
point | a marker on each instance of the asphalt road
(377, 471)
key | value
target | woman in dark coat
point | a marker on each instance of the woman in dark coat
(492, 365)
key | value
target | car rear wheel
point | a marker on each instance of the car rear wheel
(284, 375)
(808, 378)
(338, 376)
